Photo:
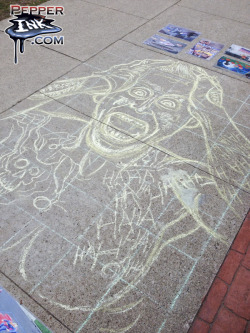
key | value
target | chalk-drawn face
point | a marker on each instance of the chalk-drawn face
(48, 147)
(137, 112)
(20, 169)
(137, 101)
(18, 173)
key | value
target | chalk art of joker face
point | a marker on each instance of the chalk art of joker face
(143, 101)
(139, 99)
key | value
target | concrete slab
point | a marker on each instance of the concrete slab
(19, 81)
(108, 225)
(234, 10)
(211, 27)
(144, 8)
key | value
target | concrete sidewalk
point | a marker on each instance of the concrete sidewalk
(124, 170)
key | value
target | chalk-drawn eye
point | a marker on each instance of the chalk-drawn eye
(214, 96)
(53, 146)
(34, 171)
(140, 92)
(42, 203)
(21, 163)
(168, 103)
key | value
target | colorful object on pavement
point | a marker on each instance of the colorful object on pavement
(7, 324)
(234, 66)
(165, 44)
(238, 52)
(180, 32)
(15, 318)
(205, 49)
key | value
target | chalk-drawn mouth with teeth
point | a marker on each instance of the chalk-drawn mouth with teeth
(125, 126)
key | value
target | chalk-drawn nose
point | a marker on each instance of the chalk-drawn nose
(145, 106)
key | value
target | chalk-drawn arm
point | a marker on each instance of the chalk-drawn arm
(186, 191)
(64, 173)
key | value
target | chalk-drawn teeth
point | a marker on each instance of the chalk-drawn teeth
(126, 123)
(115, 134)
(62, 88)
